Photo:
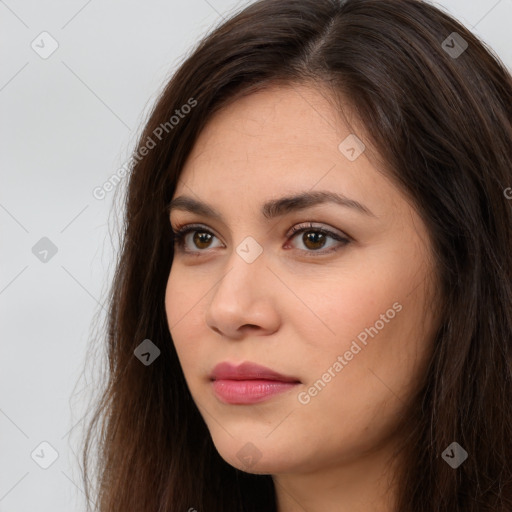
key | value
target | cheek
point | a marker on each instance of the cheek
(184, 296)
(378, 325)
(346, 304)
(363, 402)
(180, 302)
(174, 308)
(383, 286)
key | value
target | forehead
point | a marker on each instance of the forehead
(277, 135)
(281, 142)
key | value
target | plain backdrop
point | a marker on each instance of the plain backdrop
(67, 123)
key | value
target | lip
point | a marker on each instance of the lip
(248, 371)
(248, 383)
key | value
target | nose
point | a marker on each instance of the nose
(244, 299)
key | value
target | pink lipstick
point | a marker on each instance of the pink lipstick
(248, 383)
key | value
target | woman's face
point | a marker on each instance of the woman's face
(342, 315)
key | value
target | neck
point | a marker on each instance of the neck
(361, 485)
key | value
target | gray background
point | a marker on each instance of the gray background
(68, 122)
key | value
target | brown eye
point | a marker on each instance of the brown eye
(200, 238)
(313, 240)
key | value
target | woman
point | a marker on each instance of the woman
(313, 305)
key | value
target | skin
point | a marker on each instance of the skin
(295, 311)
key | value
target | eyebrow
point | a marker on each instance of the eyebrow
(274, 207)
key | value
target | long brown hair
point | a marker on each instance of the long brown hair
(439, 114)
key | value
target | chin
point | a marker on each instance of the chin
(260, 456)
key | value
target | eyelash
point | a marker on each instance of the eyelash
(183, 230)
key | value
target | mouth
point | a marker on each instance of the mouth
(248, 383)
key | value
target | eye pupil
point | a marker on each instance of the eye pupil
(200, 236)
(315, 238)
